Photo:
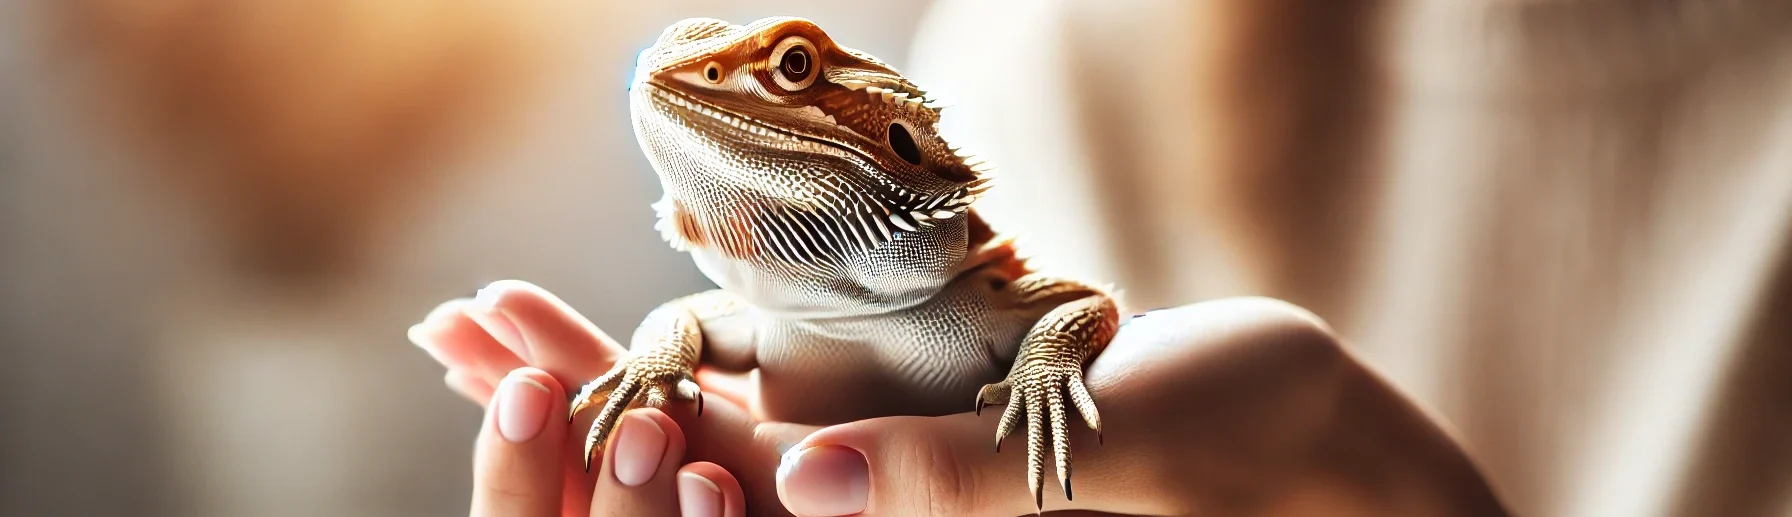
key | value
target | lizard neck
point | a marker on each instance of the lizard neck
(808, 265)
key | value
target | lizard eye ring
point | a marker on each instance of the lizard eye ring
(793, 64)
(713, 73)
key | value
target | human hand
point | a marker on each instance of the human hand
(520, 467)
(1235, 407)
(484, 343)
(1245, 406)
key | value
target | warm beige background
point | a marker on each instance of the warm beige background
(1563, 225)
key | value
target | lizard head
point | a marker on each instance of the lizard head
(776, 118)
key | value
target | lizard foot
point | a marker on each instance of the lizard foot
(1037, 391)
(648, 380)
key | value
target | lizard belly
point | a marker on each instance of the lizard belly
(927, 360)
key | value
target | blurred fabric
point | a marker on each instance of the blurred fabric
(1563, 225)
(1566, 226)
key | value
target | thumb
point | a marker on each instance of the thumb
(944, 465)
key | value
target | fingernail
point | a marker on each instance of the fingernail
(522, 408)
(484, 311)
(640, 444)
(698, 496)
(824, 481)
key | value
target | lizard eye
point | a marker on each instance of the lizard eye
(903, 143)
(713, 73)
(793, 63)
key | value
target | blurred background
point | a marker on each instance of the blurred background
(1565, 226)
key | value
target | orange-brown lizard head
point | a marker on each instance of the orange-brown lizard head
(775, 116)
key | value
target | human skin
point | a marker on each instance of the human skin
(520, 468)
(1235, 407)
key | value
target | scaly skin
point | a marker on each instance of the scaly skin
(809, 181)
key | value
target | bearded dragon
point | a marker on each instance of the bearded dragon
(809, 181)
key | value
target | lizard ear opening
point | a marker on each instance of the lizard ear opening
(903, 144)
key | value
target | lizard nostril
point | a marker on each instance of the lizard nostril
(904, 144)
(713, 72)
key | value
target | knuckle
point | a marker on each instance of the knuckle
(509, 491)
(949, 488)
(1290, 329)
(939, 476)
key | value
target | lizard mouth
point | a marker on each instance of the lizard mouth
(889, 206)
(692, 107)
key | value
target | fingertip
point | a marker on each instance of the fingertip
(511, 285)
(825, 480)
(694, 480)
(543, 329)
(451, 337)
(497, 321)
(541, 377)
(518, 455)
(446, 309)
(527, 402)
(647, 445)
(429, 333)
(674, 433)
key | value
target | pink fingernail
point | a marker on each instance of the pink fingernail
(824, 481)
(698, 496)
(640, 445)
(522, 408)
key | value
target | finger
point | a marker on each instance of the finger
(738, 387)
(929, 466)
(467, 385)
(640, 467)
(724, 435)
(728, 436)
(708, 490)
(459, 343)
(517, 460)
(544, 331)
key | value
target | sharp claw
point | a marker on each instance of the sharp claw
(1067, 496)
(1042, 403)
(699, 403)
(579, 403)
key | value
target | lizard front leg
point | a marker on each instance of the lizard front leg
(1048, 371)
(660, 367)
